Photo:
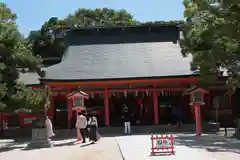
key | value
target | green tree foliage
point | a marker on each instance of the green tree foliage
(48, 45)
(99, 17)
(176, 22)
(15, 53)
(211, 34)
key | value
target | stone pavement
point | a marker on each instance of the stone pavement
(188, 146)
(106, 148)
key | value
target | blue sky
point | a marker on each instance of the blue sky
(33, 13)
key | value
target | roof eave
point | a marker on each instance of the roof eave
(117, 79)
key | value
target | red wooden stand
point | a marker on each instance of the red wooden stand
(167, 147)
(79, 135)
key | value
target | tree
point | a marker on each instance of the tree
(211, 34)
(46, 44)
(15, 54)
(175, 22)
(99, 17)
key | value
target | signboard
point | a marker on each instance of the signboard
(29, 120)
(163, 143)
(164, 105)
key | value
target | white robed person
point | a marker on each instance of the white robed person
(49, 128)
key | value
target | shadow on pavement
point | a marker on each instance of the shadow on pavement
(87, 144)
(6, 149)
(211, 143)
(8, 146)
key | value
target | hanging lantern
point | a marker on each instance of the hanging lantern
(162, 93)
(125, 94)
(92, 95)
(113, 94)
(136, 93)
(97, 95)
(140, 102)
(146, 92)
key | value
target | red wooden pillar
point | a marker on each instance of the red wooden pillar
(106, 107)
(155, 107)
(1, 121)
(52, 109)
(198, 119)
(69, 112)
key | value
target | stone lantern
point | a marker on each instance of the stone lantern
(76, 103)
(196, 100)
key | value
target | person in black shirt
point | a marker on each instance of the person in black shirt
(92, 125)
(126, 118)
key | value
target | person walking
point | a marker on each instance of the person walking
(126, 118)
(82, 124)
(225, 123)
(92, 125)
(49, 128)
(179, 116)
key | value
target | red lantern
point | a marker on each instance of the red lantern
(140, 102)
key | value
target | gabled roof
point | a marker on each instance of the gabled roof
(122, 60)
(78, 94)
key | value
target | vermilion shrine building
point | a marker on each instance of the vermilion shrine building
(139, 66)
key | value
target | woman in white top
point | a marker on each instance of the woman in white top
(81, 124)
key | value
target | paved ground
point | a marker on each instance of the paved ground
(211, 147)
(135, 147)
(105, 149)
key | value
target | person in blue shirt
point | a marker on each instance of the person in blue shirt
(178, 115)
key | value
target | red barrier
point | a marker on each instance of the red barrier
(162, 144)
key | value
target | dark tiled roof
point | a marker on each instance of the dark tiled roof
(129, 60)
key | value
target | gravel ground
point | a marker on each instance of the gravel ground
(105, 149)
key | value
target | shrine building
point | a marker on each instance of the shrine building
(138, 66)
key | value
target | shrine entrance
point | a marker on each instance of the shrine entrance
(140, 106)
(171, 105)
(95, 104)
(60, 118)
